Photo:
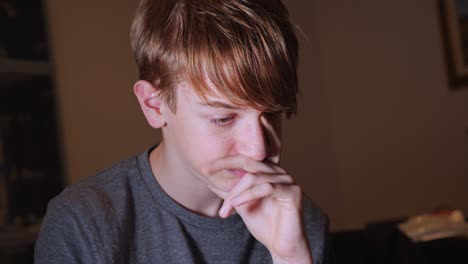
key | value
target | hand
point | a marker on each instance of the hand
(269, 203)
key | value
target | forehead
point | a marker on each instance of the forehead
(212, 98)
(231, 94)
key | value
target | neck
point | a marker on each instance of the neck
(179, 183)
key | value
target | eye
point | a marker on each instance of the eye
(223, 121)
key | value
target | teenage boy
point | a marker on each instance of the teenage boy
(216, 76)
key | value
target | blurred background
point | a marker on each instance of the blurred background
(381, 135)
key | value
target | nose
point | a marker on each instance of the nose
(253, 142)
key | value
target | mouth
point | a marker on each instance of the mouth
(238, 172)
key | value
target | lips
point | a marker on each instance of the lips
(238, 172)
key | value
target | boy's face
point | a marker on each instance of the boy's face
(202, 135)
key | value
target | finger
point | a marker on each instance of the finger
(250, 180)
(247, 182)
(289, 195)
(247, 164)
(257, 192)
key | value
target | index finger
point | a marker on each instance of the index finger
(247, 164)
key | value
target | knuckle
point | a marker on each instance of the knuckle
(249, 178)
(280, 170)
(267, 187)
(288, 179)
(296, 189)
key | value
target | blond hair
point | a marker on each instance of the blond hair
(246, 49)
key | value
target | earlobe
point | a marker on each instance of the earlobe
(150, 103)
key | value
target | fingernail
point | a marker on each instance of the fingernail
(222, 211)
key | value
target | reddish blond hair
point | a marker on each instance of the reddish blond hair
(246, 49)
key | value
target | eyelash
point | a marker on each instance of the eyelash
(227, 120)
(222, 121)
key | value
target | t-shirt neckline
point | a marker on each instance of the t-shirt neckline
(168, 204)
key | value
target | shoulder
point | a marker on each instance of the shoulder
(100, 200)
(83, 221)
(316, 222)
(101, 191)
(314, 217)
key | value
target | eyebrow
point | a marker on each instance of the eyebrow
(218, 104)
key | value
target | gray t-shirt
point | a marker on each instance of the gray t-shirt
(122, 215)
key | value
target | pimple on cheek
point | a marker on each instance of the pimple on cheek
(206, 170)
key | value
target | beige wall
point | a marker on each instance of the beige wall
(398, 133)
(379, 134)
(101, 120)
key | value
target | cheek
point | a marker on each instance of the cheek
(212, 147)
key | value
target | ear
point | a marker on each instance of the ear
(151, 103)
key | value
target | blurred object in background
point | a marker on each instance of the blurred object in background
(22, 31)
(383, 242)
(437, 225)
(31, 150)
(3, 175)
(31, 170)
